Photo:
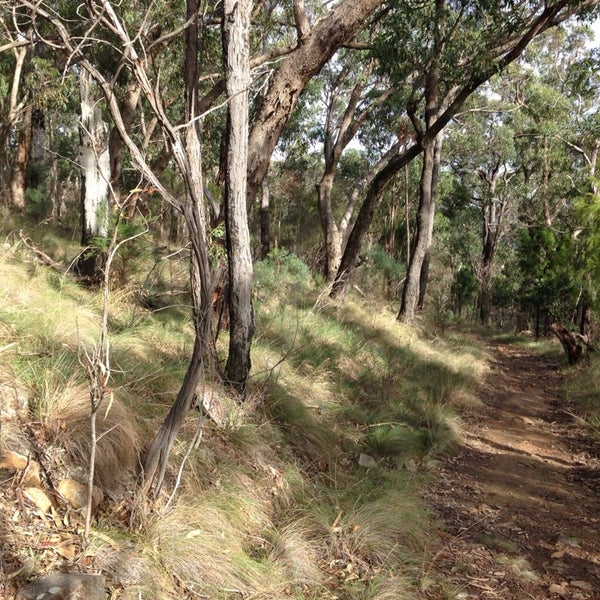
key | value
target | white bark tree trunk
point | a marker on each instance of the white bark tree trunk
(95, 176)
(236, 50)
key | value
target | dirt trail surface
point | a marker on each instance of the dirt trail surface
(520, 504)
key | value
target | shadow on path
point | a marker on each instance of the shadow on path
(520, 515)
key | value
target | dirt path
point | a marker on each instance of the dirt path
(521, 502)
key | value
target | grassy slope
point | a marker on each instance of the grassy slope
(309, 490)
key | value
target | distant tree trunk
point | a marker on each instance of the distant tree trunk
(236, 51)
(265, 218)
(22, 57)
(424, 275)
(116, 144)
(18, 179)
(331, 232)
(95, 177)
(375, 185)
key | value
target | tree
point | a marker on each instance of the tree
(95, 179)
(483, 162)
(497, 36)
(315, 47)
(236, 53)
(349, 77)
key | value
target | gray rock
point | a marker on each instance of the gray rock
(64, 586)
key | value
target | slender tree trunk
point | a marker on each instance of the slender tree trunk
(424, 275)
(407, 211)
(413, 294)
(116, 144)
(22, 56)
(424, 224)
(265, 219)
(18, 179)
(95, 176)
(236, 50)
(331, 232)
(201, 362)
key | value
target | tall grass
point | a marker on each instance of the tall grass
(275, 502)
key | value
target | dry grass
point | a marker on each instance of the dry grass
(118, 446)
(273, 503)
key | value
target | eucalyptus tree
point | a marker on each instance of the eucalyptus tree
(316, 44)
(236, 54)
(557, 149)
(478, 40)
(351, 93)
(482, 159)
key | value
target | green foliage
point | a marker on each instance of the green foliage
(464, 288)
(280, 274)
(546, 262)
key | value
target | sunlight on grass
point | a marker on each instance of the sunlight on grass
(274, 502)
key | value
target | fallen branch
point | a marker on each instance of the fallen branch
(42, 256)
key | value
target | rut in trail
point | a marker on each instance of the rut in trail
(520, 504)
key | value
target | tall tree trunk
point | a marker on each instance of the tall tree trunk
(236, 51)
(331, 232)
(95, 176)
(424, 275)
(201, 362)
(18, 178)
(423, 236)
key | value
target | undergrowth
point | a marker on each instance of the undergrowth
(310, 489)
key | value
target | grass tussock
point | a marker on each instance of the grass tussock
(275, 502)
(118, 444)
(582, 387)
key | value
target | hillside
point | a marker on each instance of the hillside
(310, 489)
(326, 483)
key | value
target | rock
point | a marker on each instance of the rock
(39, 498)
(557, 589)
(364, 460)
(31, 477)
(12, 461)
(64, 586)
(14, 401)
(75, 493)
(583, 585)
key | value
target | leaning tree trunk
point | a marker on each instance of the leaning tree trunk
(236, 50)
(95, 176)
(194, 215)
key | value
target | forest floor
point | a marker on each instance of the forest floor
(520, 503)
